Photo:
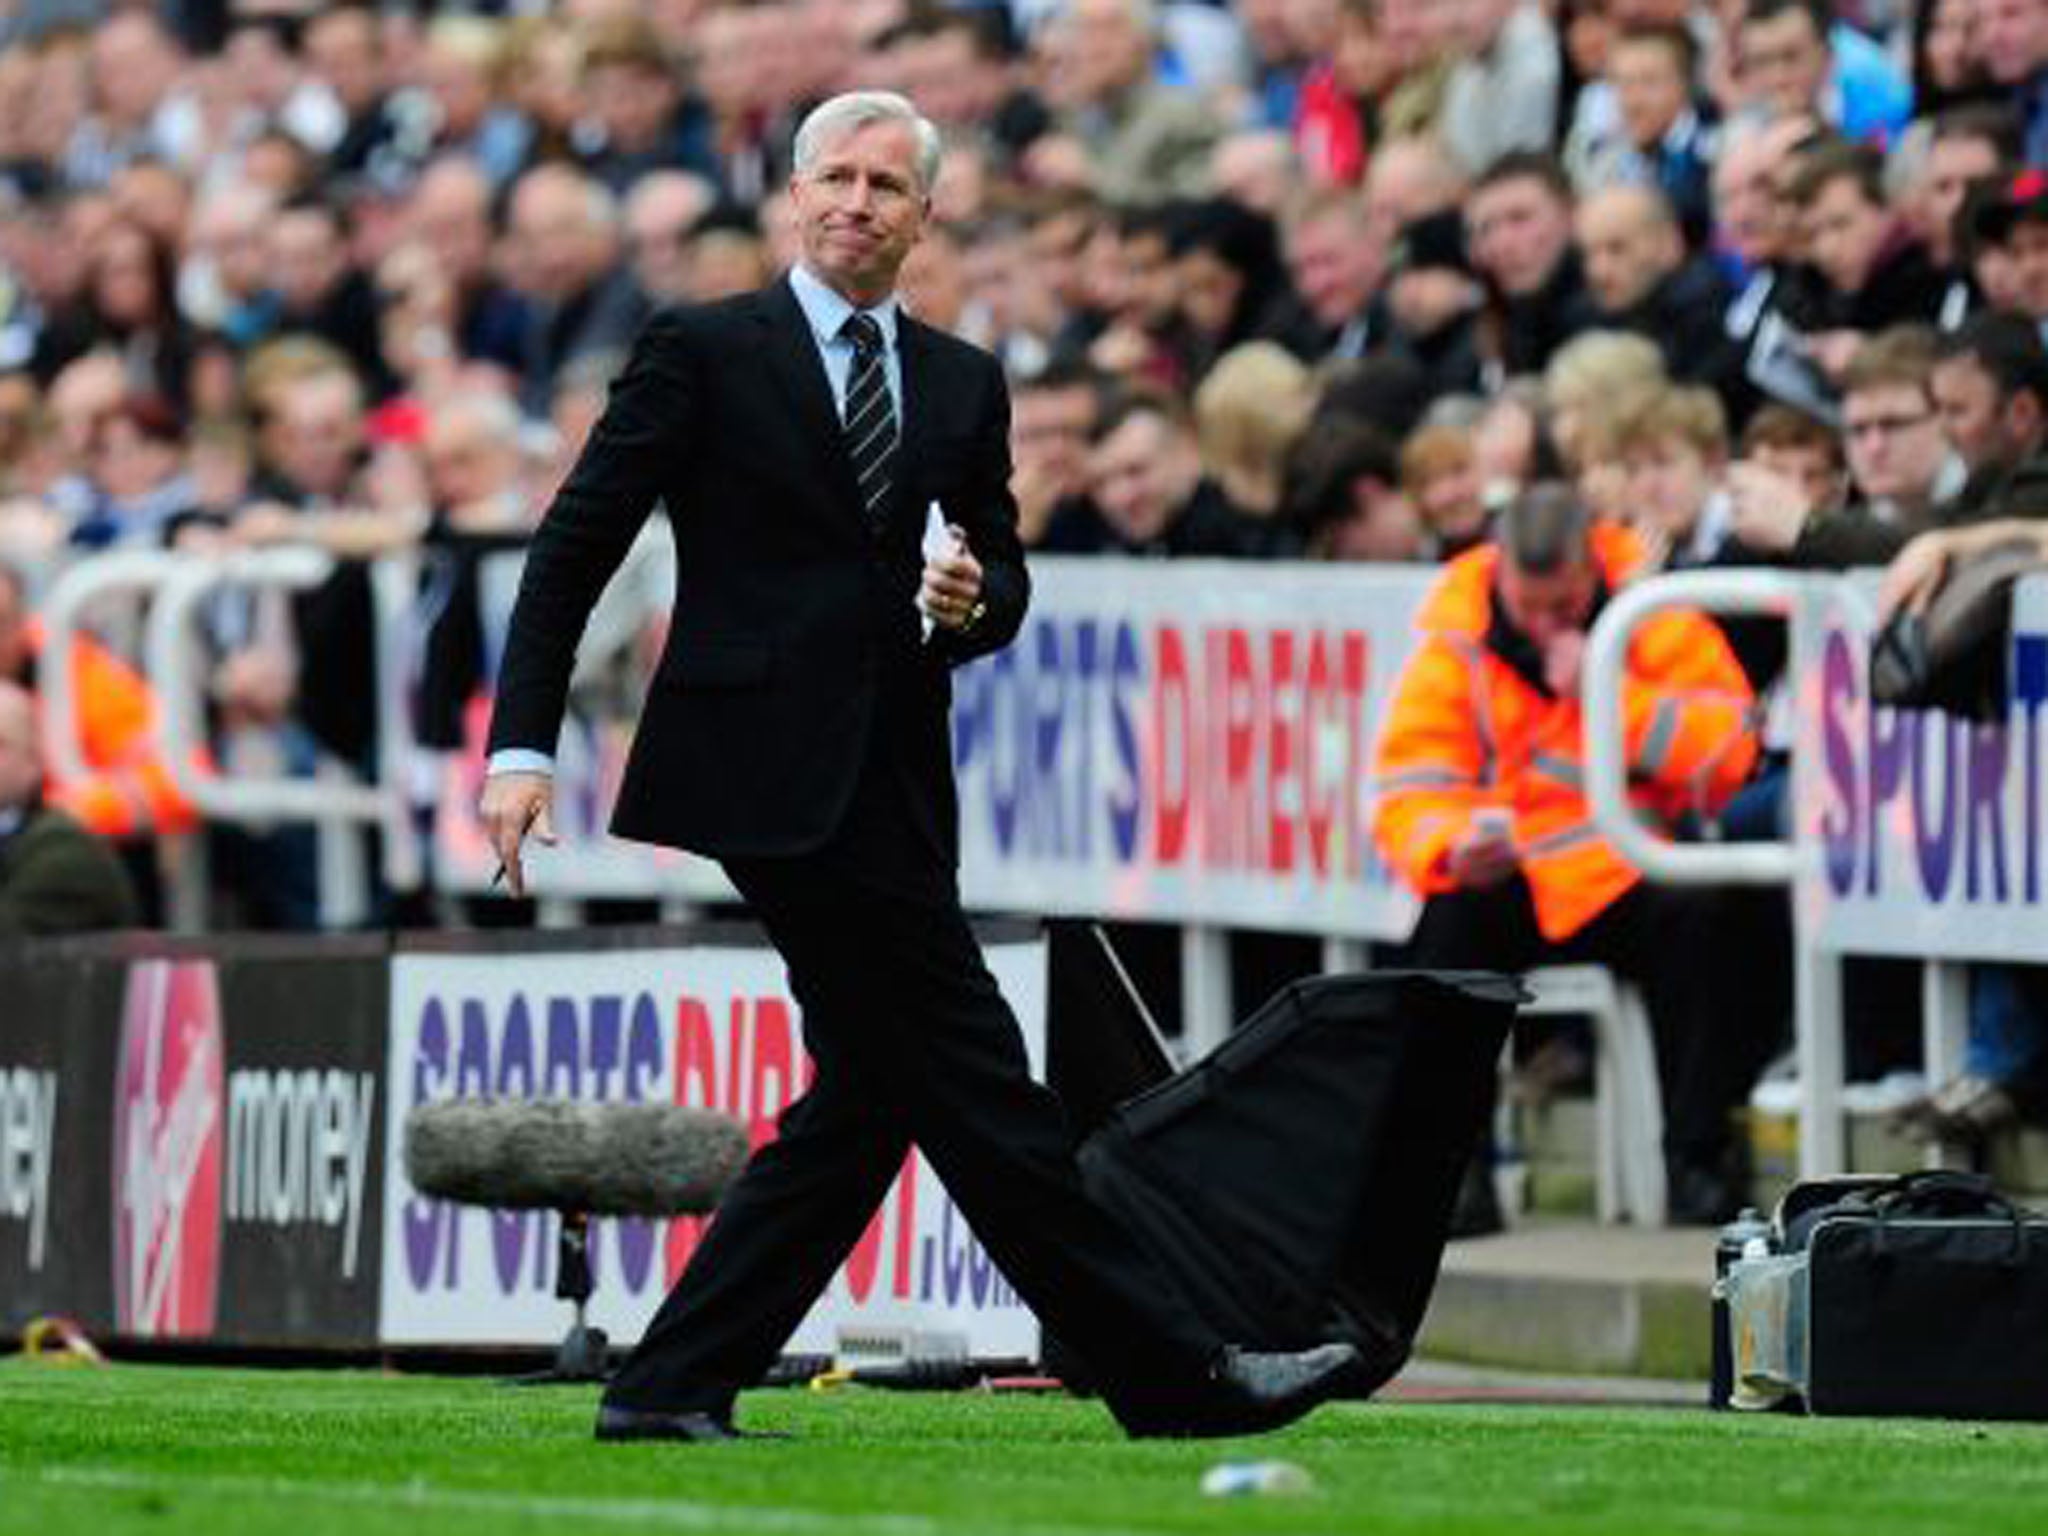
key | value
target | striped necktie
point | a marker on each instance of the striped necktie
(870, 414)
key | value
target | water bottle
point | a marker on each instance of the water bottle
(1233, 1479)
(1728, 1247)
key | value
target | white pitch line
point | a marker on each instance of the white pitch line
(681, 1514)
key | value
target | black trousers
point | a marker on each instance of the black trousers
(913, 1043)
(1707, 960)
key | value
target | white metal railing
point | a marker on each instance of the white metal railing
(174, 586)
(1817, 989)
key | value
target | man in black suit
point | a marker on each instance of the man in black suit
(796, 730)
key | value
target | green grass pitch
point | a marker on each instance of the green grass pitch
(224, 1452)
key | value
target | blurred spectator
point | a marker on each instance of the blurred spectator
(1900, 465)
(1258, 170)
(729, 255)
(1279, 58)
(2013, 220)
(1418, 35)
(55, 876)
(1796, 60)
(1435, 304)
(1147, 493)
(1990, 385)
(1948, 60)
(1512, 445)
(1641, 278)
(1134, 315)
(1502, 94)
(475, 466)
(1052, 424)
(1250, 410)
(1410, 179)
(1233, 285)
(317, 289)
(449, 216)
(2012, 40)
(933, 282)
(1658, 136)
(460, 72)
(1343, 496)
(1967, 148)
(1338, 115)
(135, 490)
(1871, 272)
(1144, 140)
(1518, 224)
(127, 306)
(1673, 447)
(563, 258)
(344, 50)
(1595, 376)
(1799, 448)
(1336, 268)
(135, 69)
(1440, 475)
(224, 283)
(636, 105)
(1477, 778)
(661, 212)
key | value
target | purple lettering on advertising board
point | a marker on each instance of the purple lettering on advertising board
(1841, 820)
(1126, 698)
(424, 1219)
(1984, 818)
(1934, 830)
(1891, 749)
(514, 1080)
(2029, 688)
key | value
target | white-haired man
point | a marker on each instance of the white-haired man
(797, 731)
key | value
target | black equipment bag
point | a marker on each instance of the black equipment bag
(1298, 1181)
(1927, 1295)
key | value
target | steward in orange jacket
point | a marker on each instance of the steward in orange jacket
(1479, 779)
(129, 790)
(1475, 727)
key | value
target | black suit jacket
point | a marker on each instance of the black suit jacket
(795, 650)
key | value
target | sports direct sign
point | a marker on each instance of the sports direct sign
(708, 1026)
(1924, 834)
(1186, 742)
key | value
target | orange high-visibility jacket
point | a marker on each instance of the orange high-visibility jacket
(1465, 731)
(130, 788)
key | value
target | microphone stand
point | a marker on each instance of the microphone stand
(581, 1356)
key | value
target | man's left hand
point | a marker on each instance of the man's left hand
(951, 593)
(1563, 659)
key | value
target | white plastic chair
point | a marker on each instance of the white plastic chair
(1628, 1108)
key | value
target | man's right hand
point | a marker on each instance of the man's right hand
(513, 805)
(1915, 574)
(1484, 857)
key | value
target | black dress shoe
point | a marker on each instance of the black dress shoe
(648, 1424)
(1262, 1391)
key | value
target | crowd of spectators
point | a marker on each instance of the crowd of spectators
(1765, 280)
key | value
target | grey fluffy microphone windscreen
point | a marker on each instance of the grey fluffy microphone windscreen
(557, 1154)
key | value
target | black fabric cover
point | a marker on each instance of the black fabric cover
(1299, 1179)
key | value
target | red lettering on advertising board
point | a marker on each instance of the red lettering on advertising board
(765, 1072)
(1284, 758)
(1318, 802)
(1175, 746)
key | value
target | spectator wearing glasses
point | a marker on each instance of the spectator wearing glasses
(1900, 466)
